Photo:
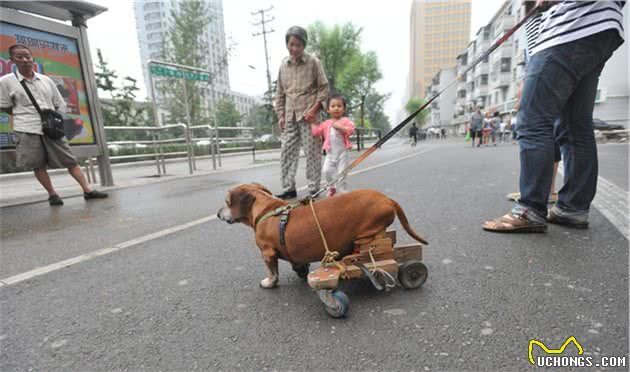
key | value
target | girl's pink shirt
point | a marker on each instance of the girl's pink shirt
(324, 129)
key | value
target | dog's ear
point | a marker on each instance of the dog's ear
(241, 203)
(262, 188)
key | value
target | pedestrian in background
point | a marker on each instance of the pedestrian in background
(476, 126)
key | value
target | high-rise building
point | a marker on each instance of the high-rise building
(152, 21)
(439, 31)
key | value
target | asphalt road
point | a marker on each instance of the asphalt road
(189, 299)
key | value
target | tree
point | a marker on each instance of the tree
(104, 76)
(121, 109)
(357, 80)
(412, 106)
(259, 119)
(227, 116)
(185, 44)
(334, 46)
(375, 111)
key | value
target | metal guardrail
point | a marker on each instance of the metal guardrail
(156, 144)
(215, 141)
(159, 155)
(360, 136)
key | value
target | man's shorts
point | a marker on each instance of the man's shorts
(36, 151)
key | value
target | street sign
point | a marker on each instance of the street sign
(158, 70)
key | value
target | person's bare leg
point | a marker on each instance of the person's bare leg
(77, 174)
(44, 179)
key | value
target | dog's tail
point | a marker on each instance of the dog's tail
(405, 223)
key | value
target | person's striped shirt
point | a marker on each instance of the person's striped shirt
(573, 20)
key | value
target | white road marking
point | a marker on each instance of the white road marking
(143, 239)
(101, 252)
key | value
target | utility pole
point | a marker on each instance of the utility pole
(263, 22)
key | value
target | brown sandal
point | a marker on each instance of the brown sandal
(513, 222)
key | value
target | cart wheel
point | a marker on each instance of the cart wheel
(336, 302)
(412, 274)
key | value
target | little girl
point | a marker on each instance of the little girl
(336, 132)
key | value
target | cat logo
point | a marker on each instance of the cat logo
(533, 342)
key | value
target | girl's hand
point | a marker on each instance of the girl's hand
(310, 116)
(340, 128)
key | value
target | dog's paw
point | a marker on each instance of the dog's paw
(268, 283)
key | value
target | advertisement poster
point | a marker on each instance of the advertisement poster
(57, 57)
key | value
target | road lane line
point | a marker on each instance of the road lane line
(143, 239)
(101, 252)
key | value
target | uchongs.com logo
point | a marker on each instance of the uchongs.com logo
(561, 357)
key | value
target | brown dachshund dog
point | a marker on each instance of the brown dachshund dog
(346, 219)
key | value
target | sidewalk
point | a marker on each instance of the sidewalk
(23, 188)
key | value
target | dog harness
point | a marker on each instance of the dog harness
(283, 212)
(330, 257)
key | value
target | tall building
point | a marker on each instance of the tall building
(152, 18)
(493, 83)
(439, 30)
(443, 107)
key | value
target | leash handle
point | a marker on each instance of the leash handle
(400, 126)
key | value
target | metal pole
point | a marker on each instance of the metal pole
(214, 116)
(155, 152)
(104, 166)
(190, 165)
(253, 145)
(212, 148)
(156, 121)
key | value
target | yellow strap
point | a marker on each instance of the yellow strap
(329, 257)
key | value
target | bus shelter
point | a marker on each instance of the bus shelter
(61, 51)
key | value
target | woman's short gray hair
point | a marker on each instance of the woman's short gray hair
(297, 32)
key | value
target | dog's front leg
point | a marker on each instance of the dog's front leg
(271, 260)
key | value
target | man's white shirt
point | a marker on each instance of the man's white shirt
(25, 116)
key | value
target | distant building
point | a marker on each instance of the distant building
(443, 107)
(439, 30)
(152, 19)
(493, 84)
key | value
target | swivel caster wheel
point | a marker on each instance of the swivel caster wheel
(335, 302)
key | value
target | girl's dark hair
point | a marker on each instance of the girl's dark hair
(339, 97)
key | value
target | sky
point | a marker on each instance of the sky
(385, 27)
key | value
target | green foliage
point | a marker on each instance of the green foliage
(357, 81)
(374, 108)
(349, 71)
(104, 76)
(227, 116)
(184, 45)
(121, 109)
(412, 106)
(335, 46)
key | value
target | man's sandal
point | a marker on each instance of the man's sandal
(553, 197)
(513, 222)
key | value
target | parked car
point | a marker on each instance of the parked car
(265, 138)
(599, 124)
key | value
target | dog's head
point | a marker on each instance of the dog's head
(239, 202)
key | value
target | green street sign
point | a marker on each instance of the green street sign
(163, 71)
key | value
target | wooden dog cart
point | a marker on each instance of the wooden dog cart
(377, 260)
